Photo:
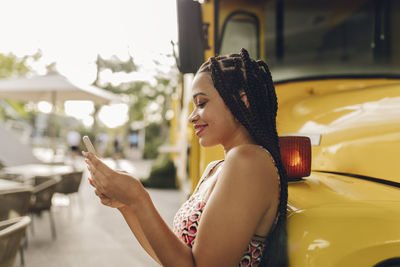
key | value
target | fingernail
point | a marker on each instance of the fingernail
(86, 160)
(90, 181)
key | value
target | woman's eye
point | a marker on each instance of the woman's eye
(202, 104)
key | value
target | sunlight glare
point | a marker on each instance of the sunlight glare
(88, 121)
(78, 109)
(114, 115)
(44, 106)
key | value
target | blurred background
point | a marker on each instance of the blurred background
(123, 47)
(72, 68)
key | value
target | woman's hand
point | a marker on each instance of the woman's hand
(106, 201)
(113, 186)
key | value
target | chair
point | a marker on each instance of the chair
(12, 232)
(14, 203)
(44, 188)
(69, 183)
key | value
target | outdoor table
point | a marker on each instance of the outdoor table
(29, 171)
(7, 185)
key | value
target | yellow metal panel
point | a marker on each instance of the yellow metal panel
(194, 155)
(208, 17)
(210, 154)
(194, 169)
(336, 220)
(174, 126)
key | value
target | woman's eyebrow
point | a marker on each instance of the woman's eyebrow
(195, 95)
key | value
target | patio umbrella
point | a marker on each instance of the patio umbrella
(52, 88)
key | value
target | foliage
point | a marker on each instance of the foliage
(152, 141)
(163, 174)
(19, 108)
(149, 102)
(12, 66)
(115, 64)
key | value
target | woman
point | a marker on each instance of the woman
(237, 214)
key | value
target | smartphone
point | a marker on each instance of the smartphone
(88, 144)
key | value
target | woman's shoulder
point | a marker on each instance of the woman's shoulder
(248, 152)
(252, 169)
(250, 159)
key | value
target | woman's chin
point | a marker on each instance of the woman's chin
(206, 143)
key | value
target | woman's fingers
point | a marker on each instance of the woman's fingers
(97, 193)
(91, 182)
(90, 169)
(96, 175)
(104, 199)
(101, 195)
(97, 163)
(112, 186)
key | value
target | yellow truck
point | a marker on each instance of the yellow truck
(336, 68)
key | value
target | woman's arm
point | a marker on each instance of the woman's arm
(243, 193)
(170, 250)
(131, 220)
(136, 228)
(137, 231)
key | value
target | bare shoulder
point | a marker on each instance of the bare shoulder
(252, 162)
(251, 156)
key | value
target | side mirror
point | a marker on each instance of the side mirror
(190, 36)
(296, 156)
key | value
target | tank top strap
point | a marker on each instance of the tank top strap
(207, 172)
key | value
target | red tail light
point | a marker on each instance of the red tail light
(296, 155)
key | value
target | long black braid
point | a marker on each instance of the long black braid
(233, 75)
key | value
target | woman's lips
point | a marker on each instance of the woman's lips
(199, 128)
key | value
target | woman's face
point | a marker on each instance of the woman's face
(212, 120)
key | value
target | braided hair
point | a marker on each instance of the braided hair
(232, 76)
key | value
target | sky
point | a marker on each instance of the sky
(73, 32)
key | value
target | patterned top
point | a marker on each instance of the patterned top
(187, 220)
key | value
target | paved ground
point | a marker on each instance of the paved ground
(89, 234)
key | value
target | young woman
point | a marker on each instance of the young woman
(237, 214)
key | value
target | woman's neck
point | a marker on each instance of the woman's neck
(242, 137)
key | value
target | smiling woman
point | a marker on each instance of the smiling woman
(242, 198)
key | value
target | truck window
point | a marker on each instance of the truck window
(340, 37)
(241, 29)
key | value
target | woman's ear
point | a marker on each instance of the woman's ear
(243, 97)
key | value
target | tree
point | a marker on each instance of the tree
(12, 66)
(115, 65)
(149, 102)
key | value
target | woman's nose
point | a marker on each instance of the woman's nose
(193, 117)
